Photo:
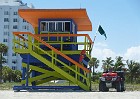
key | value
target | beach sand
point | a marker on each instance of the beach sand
(10, 94)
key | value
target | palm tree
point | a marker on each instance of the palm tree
(3, 49)
(133, 69)
(137, 71)
(16, 77)
(119, 63)
(7, 74)
(4, 73)
(93, 63)
(108, 63)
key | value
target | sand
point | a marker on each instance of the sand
(10, 94)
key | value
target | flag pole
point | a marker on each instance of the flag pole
(96, 33)
(95, 36)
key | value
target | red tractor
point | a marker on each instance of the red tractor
(112, 80)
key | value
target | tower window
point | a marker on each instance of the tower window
(6, 19)
(51, 26)
(15, 13)
(6, 13)
(15, 20)
(59, 26)
(13, 54)
(24, 20)
(13, 67)
(23, 27)
(14, 61)
(4, 54)
(15, 27)
(27, 27)
(43, 26)
(5, 40)
(55, 26)
(6, 33)
(6, 26)
(67, 26)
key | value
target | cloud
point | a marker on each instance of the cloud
(101, 51)
(102, 54)
(101, 44)
(133, 53)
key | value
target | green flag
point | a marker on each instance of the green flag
(101, 31)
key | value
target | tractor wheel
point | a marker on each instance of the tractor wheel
(122, 86)
(102, 87)
(107, 89)
(118, 87)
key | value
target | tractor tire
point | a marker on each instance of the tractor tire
(107, 89)
(102, 87)
(122, 86)
(118, 87)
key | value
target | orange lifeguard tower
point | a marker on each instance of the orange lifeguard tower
(53, 52)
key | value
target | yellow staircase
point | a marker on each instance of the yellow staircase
(23, 45)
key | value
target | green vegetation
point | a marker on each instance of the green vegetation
(93, 63)
(133, 74)
(10, 75)
(107, 64)
(8, 86)
(3, 49)
(6, 73)
(131, 69)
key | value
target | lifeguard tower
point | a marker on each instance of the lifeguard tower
(54, 51)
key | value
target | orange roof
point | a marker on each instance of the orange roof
(79, 16)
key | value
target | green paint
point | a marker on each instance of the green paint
(35, 50)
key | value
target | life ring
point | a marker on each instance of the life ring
(82, 55)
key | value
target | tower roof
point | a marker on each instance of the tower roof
(79, 16)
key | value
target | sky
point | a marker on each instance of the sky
(120, 20)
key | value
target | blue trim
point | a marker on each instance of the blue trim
(33, 75)
(76, 33)
(54, 20)
(45, 87)
(75, 28)
(23, 74)
(28, 63)
(85, 62)
(71, 26)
